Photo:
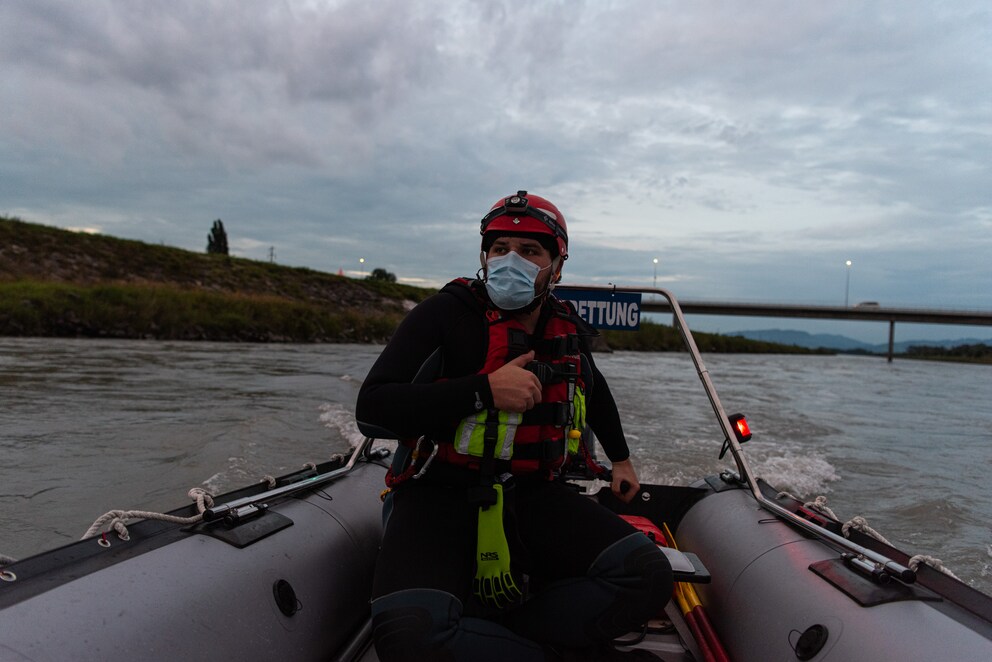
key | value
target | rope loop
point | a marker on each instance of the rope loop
(935, 563)
(859, 523)
(819, 504)
(202, 498)
(115, 520)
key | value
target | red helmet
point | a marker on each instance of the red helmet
(530, 214)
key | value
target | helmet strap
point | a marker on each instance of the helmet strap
(556, 265)
(484, 270)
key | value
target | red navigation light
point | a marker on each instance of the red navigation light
(741, 428)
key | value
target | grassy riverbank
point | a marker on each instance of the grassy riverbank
(980, 353)
(33, 308)
(57, 283)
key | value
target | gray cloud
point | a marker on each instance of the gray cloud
(749, 145)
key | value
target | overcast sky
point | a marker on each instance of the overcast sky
(751, 147)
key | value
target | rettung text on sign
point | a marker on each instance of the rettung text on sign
(606, 310)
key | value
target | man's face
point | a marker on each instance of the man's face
(529, 249)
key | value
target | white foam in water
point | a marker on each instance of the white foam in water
(214, 483)
(336, 417)
(802, 475)
(236, 474)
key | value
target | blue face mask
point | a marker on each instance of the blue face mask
(511, 280)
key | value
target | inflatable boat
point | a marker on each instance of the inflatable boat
(283, 571)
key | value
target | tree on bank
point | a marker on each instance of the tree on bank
(217, 239)
(383, 275)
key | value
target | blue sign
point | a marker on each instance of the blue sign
(605, 310)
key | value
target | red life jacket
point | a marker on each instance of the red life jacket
(536, 441)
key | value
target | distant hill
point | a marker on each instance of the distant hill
(845, 344)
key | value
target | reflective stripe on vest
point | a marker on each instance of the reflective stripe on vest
(471, 433)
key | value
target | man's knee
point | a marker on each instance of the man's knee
(642, 576)
(414, 624)
(427, 624)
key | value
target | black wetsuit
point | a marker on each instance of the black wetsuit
(593, 577)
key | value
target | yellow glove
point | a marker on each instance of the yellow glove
(493, 582)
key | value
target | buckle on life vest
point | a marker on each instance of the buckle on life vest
(559, 346)
(517, 343)
(552, 374)
(484, 494)
(556, 414)
(549, 450)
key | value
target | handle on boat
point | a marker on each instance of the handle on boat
(223, 510)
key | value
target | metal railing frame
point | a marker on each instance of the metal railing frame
(882, 562)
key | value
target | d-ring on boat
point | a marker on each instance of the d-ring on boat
(283, 572)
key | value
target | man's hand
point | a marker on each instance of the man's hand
(623, 472)
(515, 388)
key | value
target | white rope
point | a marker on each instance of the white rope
(935, 563)
(117, 518)
(6, 560)
(202, 498)
(859, 523)
(819, 504)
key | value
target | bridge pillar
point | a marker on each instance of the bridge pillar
(892, 338)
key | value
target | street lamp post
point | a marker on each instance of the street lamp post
(361, 271)
(655, 273)
(847, 282)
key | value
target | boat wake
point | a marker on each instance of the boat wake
(336, 417)
(803, 475)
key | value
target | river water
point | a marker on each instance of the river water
(88, 426)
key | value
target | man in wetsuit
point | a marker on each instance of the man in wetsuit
(509, 385)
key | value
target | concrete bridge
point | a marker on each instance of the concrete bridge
(866, 312)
